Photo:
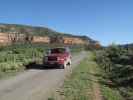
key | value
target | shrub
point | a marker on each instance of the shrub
(117, 63)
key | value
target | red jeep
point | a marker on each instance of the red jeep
(60, 57)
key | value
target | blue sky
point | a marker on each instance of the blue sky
(108, 21)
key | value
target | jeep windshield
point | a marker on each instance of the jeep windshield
(57, 50)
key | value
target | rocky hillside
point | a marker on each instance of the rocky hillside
(38, 34)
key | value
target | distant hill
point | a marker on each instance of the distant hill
(37, 31)
(127, 45)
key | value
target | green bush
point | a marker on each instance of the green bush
(16, 56)
(117, 62)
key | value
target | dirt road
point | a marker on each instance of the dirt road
(35, 84)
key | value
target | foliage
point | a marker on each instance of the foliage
(16, 56)
(116, 61)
